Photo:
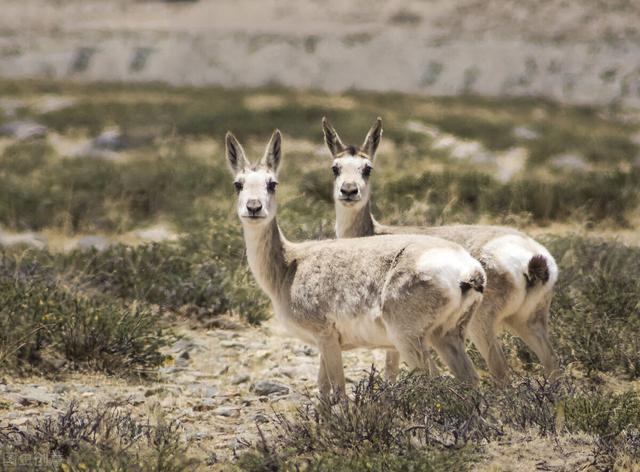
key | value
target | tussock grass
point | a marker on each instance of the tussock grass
(47, 327)
(435, 424)
(107, 437)
(595, 313)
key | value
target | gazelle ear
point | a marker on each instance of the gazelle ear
(372, 141)
(235, 154)
(273, 153)
(331, 138)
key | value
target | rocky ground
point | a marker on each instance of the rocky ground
(220, 384)
(224, 384)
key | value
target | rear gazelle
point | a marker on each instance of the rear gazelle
(393, 292)
(520, 272)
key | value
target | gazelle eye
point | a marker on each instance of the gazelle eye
(336, 171)
(271, 185)
(238, 186)
(366, 172)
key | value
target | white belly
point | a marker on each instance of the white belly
(365, 330)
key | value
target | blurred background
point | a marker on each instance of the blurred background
(117, 211)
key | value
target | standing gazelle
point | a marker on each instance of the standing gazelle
(520, 272)
(393, 292)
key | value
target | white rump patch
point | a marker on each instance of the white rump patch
(448, 267)
(511, 254)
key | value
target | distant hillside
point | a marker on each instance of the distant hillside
(576, 51)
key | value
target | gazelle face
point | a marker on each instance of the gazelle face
(255, 184)
(256, 195)
(352, 166)
(351, 179)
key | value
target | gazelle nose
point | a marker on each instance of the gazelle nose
(348, 189)
(254, 206)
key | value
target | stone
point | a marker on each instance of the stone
(227, 411)
(261, 418)
(569, 161)
(28, 239)
(61, 388)
(206, 404)
(525, 133)
(23, 130)
(35, 396)
(266, 387)
(240, 379)
(156, 234)
(98, 243)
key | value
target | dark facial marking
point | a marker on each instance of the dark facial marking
(271, 186)
(238, 185)
(336, 170)
(366, 172)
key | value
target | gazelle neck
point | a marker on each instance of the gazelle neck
(266, 255)
(354, 222)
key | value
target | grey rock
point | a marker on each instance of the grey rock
(523, 132)
(227, 411)
(36, 396)
(266, 387)
(206, 404)
(240, 379)
(261, 418)
(569, 161)
(22, 239)
(156, 234)
(61, 388)
(22, 130)
(98, 243)
(199, 435)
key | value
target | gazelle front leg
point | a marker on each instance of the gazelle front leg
(331, 374)
(391, 365)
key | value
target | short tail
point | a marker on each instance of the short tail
(537, 271)
(476, 282)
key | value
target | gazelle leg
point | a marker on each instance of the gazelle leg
(533, 329)
(391, 365)
(450, 346)
(331, 375)
(483, 334)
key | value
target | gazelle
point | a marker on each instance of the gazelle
(393, 292)
(520, 272)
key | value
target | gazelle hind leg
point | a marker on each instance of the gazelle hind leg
(533, 329)
(392, 363)
(413, 350)
(483, 334)
(451, 348)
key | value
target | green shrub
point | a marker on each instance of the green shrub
(88, 194)
(467, 196)
(206, 270)
(107, 437)
(45, 326)
(594, 315)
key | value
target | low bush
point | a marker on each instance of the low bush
(107, 437)
(434, 424)
(468, 196)
(45, 326)
(595, 312)
(206, 270)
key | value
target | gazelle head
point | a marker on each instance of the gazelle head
(255, 183)
(352, 165)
